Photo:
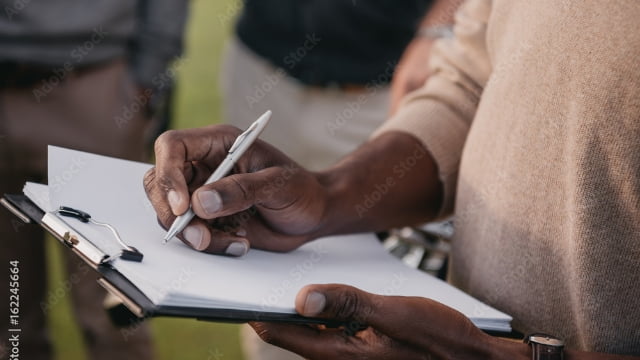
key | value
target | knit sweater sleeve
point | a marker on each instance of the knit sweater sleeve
(440, 113)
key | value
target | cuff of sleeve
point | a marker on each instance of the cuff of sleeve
(441, 130)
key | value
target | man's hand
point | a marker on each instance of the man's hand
(268, 202)
(398, 328)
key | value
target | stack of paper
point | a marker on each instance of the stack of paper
(173, 274)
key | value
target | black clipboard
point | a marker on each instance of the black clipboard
(139, 305)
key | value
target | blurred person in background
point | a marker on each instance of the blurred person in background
(83, 75)
(325, 69)
(527, 130)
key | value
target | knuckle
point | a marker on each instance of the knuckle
(265, 334)
(149, 178)
(226, 128)
(246, 191)
(347, 305)
(165, 139)
(164, 217)
(164, 183)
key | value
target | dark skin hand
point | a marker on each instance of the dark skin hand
(275, 207)
(399, 328)
(272, 203)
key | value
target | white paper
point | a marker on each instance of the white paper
(173, 274)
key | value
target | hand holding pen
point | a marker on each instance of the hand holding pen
(238, 148)
(267, 201)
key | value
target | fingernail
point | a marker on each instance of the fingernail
(314, 303)
(241, 232)
(210, 201)
(174, 200)
(194, 235)
(237, 249)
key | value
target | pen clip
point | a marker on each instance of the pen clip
(239, 141)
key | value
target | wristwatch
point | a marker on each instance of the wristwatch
(545, 347)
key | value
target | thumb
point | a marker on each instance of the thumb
(337, 302)
(239, 192)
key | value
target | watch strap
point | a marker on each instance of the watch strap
(545, 347)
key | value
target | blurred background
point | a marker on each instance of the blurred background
(329, 102)
(198, 104)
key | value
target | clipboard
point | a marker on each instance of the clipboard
(139, 305)
(242, 288)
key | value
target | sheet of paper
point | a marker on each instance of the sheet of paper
(173, 274)
(39, 194)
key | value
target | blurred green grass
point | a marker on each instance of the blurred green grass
(197, 103)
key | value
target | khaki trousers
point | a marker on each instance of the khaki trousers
(92, 110)
(314, 126)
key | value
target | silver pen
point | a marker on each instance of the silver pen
(242, 143)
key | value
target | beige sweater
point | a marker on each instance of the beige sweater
(533, 117)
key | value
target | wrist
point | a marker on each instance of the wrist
(391, 180)
(505, 349)
(335, 195)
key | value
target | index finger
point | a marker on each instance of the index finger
(303, 340)
(313, 343)
(174, 148)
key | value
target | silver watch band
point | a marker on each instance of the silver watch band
(545, 347)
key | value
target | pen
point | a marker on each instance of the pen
(242, 143)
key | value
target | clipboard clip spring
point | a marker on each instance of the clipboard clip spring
(128, 252)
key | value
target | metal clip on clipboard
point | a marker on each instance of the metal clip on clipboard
(85, 247)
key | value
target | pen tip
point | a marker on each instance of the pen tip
(166, 239)
(265, 116)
